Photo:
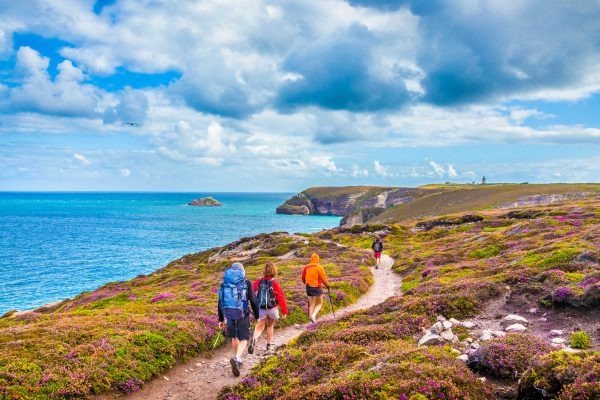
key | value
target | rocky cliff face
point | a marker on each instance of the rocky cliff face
(356, 204)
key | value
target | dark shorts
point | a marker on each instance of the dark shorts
(314, 291)
(239, 329)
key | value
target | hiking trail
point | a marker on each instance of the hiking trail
(204, 376)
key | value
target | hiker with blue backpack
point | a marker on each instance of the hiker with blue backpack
(236, 300)
(270, 299)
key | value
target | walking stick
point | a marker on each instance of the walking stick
(330, 302)
(217, 339)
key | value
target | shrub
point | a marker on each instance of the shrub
(508, 356)
(580, 340)
(563, 376)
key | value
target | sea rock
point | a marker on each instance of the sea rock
(437, 328)
(430, 339)
(516, 328)
(514, 319)
(447, 335)
(205, 202)
(447, 324)
(556, 332)
(558, 340)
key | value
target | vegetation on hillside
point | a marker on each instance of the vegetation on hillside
(125, 333)
(509, 262)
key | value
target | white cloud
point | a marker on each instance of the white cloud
(451, 171)
(125, 172)
(357, 172)
(65, 95)
(81, 159)
(380, 169)
(437, 168)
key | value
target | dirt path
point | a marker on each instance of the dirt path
(203, 376)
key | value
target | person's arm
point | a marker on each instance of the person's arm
(373, 246)
(304, 275)
(323, 277)
(280, 297)
(253, 300)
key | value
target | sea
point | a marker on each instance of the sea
(55, 245)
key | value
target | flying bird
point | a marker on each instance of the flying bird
(132, 123)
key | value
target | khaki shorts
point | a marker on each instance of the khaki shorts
(273, 313)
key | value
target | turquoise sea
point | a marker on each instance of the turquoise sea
(56, 245)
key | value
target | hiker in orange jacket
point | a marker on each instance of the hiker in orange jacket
(313, 276)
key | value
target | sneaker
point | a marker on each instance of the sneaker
(312, 319)
(251, 346)
(270, 348)
(235, 366)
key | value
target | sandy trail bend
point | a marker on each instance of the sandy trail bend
(204, 376)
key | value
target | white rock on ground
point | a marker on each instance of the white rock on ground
(556, 332)
(447, 324)
(454, 321)
(516, 328)
(430, 339)
(486, 335)
(468, 324)
(437, 328)
(532, 310)
(514, 319)
(499, 333)
(447, 335)
(440, 318)
(558, 340)
(463, 357)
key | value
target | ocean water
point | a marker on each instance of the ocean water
(55, 245)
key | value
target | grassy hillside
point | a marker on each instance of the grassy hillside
(448, 199)
(124, 333)
(540, 262)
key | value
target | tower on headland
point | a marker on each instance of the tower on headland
(483, 180)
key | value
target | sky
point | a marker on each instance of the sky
(258, 95)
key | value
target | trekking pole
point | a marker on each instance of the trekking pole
(216, 339)
(330, 302)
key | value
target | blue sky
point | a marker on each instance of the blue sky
(257, 95)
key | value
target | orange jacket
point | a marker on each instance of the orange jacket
(313, 274)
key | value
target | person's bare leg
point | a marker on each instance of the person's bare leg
(270, 326)
(318, 304)
(258, 330)
(240, 349)
(234, 345)
(311, 305)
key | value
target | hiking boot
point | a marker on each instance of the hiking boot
(312, 319)
(251, 346)
(235, 366)
(270, 348)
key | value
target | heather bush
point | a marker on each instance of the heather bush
(562, 376)
(510, 355)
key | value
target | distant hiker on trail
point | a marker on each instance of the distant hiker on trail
(236, 298)
(313, 276)
(270, 297)
(377, 247)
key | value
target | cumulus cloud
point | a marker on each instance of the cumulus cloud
(357, 172)
(380, 169)
(441, 171)
(337, 72)
(132, 107)
(125, 172)
(65, 95)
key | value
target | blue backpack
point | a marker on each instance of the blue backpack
(233, 296)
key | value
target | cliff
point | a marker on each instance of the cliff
(356, 204)
(205, 202)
